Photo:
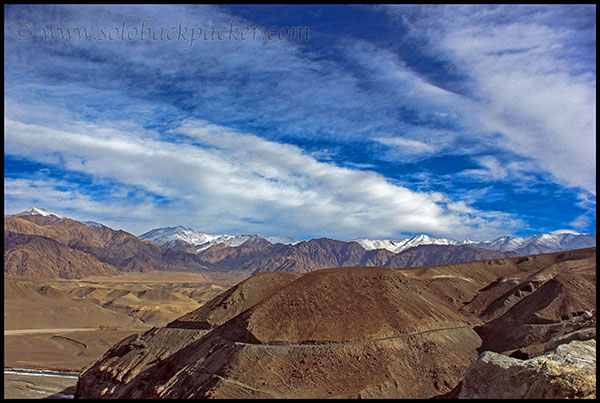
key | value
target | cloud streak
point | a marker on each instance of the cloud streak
(221, 175)
(530, 81)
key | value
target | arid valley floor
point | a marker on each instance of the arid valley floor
(66, 324)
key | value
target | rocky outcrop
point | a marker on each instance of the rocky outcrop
(565, 373)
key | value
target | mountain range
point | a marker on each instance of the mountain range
(38, 243)
(41, 243)
(182, 238)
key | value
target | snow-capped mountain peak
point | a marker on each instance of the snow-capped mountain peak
(400, 245)
(281, 239)
(39, 211)
(533, 244)
(168, 237)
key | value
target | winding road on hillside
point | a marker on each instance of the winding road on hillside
(350, 343)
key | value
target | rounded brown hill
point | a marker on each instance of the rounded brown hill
(343, 305)
(235, 300)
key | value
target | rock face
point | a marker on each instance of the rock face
(355, 331)
(565, 373)
(557, 298)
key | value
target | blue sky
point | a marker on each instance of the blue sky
(384, 122)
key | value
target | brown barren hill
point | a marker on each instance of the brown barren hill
(114, 248)
(235, 300)
(344, 305)
(42, 257)
(352, 332)
(333, 332)
(549, 303)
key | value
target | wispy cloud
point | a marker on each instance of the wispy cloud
(530, 80)
(221, 175)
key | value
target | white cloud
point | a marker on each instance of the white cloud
(542, 110)
(565, 231)
(410, 87)
(530, 81)
(230, 176)
(63, 196)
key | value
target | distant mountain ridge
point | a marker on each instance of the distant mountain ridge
(527, 245)
(38, 243)
(182, 238)
(190, 240)
(41, 239)
(542, 243)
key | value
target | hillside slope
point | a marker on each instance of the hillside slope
(41, 242)
(353, 332)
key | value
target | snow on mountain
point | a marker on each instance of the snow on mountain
(93, 224)
(281, 239)
(170, 236)
(39, 211)
(542, 243)
(533, 244)
(370, 244)
(234, 241)
(399, 246)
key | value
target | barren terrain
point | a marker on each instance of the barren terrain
(355, 331)
(67, 324)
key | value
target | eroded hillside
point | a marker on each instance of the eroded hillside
(350, 332)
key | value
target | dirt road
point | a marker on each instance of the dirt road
(21, 332)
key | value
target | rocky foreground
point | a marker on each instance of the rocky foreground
(569, 371)
(369, 332)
